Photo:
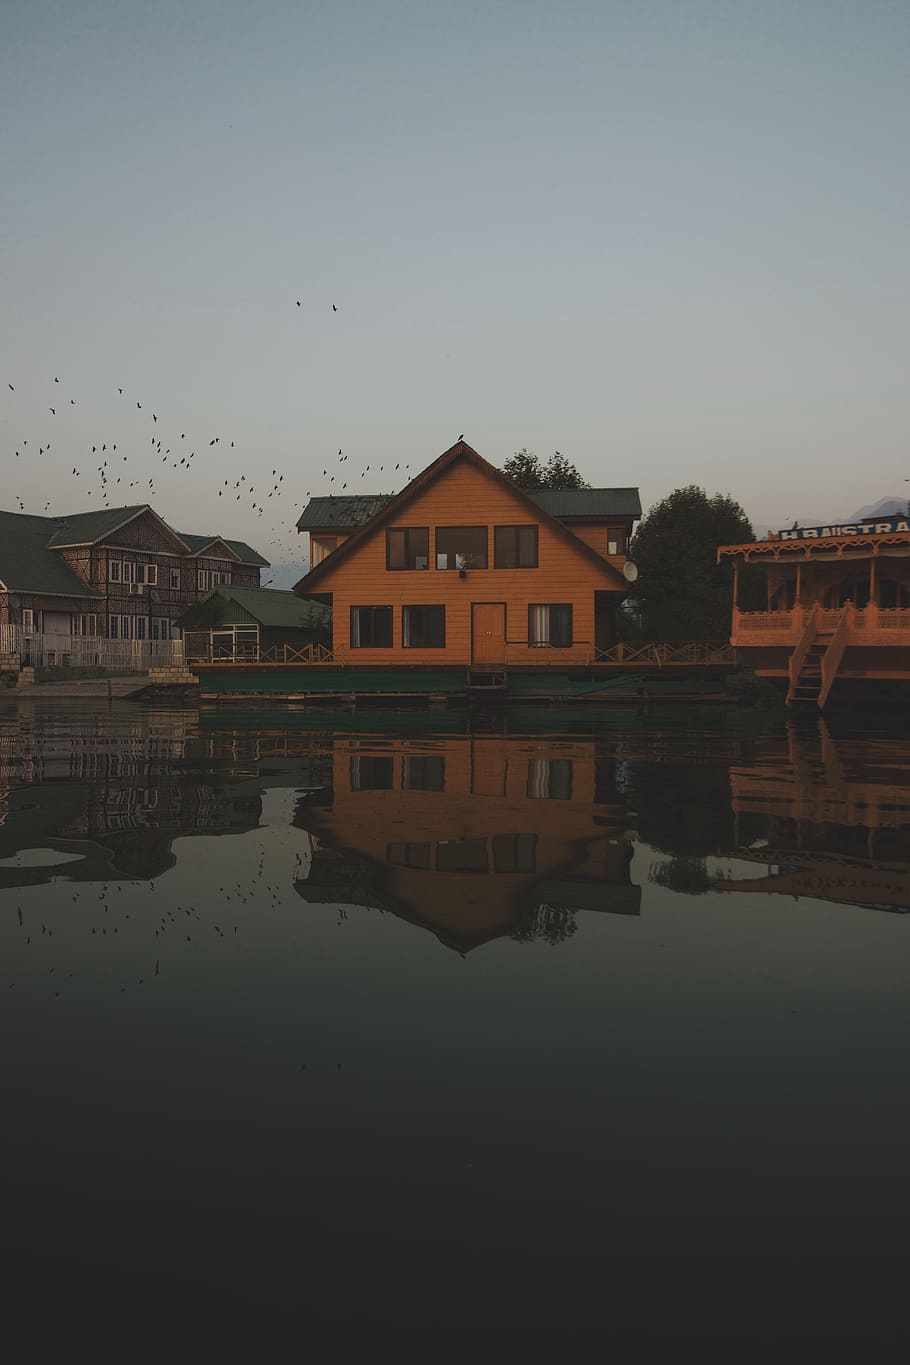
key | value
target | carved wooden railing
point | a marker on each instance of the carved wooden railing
(831, 659)
(800, 653)
(661, 653)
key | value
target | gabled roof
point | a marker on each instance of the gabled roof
(271, 607)
(342, 511)
(27, 564)
(87, 528)
(460, 451)
(197, 545)
(588, 502)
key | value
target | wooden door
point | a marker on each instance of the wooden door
(488, 632)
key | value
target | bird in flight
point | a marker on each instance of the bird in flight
(334, 308)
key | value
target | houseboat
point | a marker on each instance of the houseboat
(838, 606)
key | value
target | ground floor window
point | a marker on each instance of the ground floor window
(84, 623)
(160, 628)
(550, 624)
(127, 627)
(371, 627)
(423, 627)
(370, 774)
(28, 621)
(549, 779)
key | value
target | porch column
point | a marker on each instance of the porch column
(735, 584)
(799, 584)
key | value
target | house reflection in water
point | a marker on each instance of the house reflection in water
(471, 838)
(110, 812)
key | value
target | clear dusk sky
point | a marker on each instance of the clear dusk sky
(667, 238)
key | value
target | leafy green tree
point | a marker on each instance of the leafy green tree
(683, 593)
(529, 472)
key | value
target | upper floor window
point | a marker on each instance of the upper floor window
(371, 627)
(461, 547)
(113, 570)
(550, 624)
(515, 547)
(147, 573)
(616, 540)
(204, 580)
(174, 575)
(408, 547)
(320, 547)
(423, 627)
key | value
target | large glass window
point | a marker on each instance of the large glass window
(408, 547)
(423, 627)
(550, 625)
(515, 547)
(175, 580)
(462, 855)
(461, 547)
(371, 627)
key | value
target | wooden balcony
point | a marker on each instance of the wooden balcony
(871, 626)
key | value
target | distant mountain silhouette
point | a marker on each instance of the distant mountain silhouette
(885, 507)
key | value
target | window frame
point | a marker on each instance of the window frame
(114, 570)
(174, 580)
(406, 531)
(549, 642)
(517, 528)
(618, 537)
(407, 628)
(373, 608)
(448, 568)
(28, 621)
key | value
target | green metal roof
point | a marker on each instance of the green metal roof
(85, 528)
(342, 511)
(268, 606)
(588, 502)
(245, 553)
(26, 562)
(348, 512)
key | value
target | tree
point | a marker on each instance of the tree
(683, 593)
(529, 472)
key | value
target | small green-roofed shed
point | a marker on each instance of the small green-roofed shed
(234, 624)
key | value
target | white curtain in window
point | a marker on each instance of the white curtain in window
(540, 625)
(538, 778)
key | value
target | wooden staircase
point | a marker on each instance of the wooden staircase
(487, 680)
(815, 661)
(806, 687)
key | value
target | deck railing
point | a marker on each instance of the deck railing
(870, 626)
(52, 650)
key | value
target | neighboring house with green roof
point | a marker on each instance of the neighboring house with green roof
(246, 623)
(120, 573)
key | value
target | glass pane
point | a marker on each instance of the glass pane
(462, 855)
(461, 547)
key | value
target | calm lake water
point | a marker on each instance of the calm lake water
(477, 1027)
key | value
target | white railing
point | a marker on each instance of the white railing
(88, 651)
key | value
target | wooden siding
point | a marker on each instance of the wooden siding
(465, 496)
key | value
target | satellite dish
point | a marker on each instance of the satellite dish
(630, 571)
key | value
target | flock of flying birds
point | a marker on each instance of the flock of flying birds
(108, 475)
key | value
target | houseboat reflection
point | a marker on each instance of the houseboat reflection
(473, 839)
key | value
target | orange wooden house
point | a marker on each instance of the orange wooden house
(464, 568)
(838, 606)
